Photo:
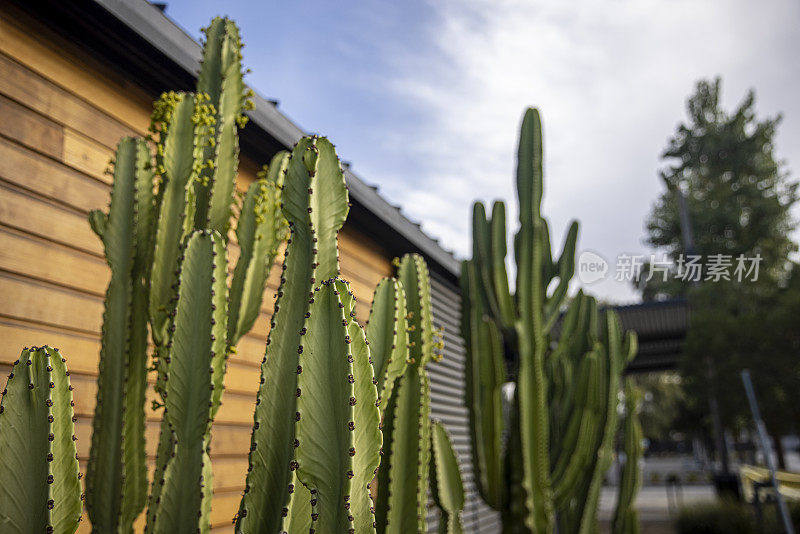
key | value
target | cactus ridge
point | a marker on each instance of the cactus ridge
(40, 488)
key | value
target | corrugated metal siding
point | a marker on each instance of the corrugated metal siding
(447, 404)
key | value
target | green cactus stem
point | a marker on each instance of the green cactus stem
(116, 479)
(626, 520)
(336, 431)
(403, 474)
(485, 372)
(559, 422)
(315, 203)
(260, 230)
(40, 489)
(387, 331)
(222, 82)
(447, 488)
(197, 346)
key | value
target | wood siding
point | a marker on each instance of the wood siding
(61, 116)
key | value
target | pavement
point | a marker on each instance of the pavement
(656, 503)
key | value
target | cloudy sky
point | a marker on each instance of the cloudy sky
(424, 98)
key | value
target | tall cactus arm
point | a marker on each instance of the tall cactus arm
(626, 519)
(117, 476)
(367, 417)
(531, 328)
(387, 333)
(447, 488)
(575, 451)
(482, 253)
(259, 232)
(40, 490)
(134, 474)
(198, 339)
(221, 80)
(415, 278)
(515, 506)
(612, 346)
(184, 121)
(505, 303)
(311, 255)
(164, 450)
(410, 453)
(485, 375)
(327, 429)
(566, 269)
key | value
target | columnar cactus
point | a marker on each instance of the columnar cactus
(159, 204)
(626, 519)
(193, 370)
(403, 475)
(562, 414)
(447, 488)
(116, 479)
(316, 437)
(40, 489)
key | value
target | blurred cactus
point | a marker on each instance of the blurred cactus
(561, 417)
(402, 487)
(162, 209)
(316, 438)
(40, 489)
(626, 520)
(447, 488)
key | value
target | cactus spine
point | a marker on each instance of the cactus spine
(626, 519)
(447, 488)
(40, 490)
(563, 409)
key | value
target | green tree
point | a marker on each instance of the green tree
(738, 198)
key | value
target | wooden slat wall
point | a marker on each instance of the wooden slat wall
(61, 116)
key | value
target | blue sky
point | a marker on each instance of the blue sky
(424, 98)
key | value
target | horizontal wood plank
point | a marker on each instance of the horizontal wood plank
(30, 129)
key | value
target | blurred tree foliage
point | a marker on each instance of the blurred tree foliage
(739, 198)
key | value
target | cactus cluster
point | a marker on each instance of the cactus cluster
(165, 237)
(403, 475)
(328, 400)
(539, 454)
(40, 489)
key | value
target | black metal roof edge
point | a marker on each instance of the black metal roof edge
(674, 302)
(163, 34)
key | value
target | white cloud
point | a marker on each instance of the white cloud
(610, 78)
